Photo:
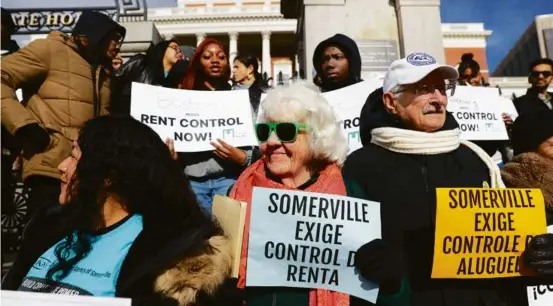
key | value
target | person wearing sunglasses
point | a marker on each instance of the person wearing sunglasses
(538, 97)
(157, 67)
(302, 148)
(66, 81)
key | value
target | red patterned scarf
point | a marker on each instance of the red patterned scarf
(330, 181)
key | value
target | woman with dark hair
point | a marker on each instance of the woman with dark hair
(162, 65)
(126, 227)
(247, 76)
(212, 173)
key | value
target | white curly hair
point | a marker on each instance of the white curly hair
(303, 102)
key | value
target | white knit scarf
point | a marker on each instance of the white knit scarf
(421, 143)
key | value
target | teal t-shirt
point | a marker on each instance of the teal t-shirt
(95, 274)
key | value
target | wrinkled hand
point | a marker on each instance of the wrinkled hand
(171, 145)
(33, 138)
(228, 152)
(380, 263)
(507, 119)
(539, 254)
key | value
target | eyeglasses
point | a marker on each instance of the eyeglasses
(176, 48)
(285, 131)
(545, 74)
(118, 38)
(447, 89)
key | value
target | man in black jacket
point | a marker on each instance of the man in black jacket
(416, 148)
(537, 97)
(337, 62)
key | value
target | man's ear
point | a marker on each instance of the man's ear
(390, 104)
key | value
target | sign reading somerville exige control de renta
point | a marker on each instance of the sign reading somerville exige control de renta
(45, 20)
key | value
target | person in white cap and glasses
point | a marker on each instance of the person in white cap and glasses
(415, 147)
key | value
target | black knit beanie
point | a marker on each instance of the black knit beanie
(530, 130)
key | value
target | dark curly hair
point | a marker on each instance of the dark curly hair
(128, 160)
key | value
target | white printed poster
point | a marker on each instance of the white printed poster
(308, 240)
(194, 118)
(541, 295)
(347, 104)
(478, 110)
(19, 298)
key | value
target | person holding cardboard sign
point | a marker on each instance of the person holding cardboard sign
(302, 148)
(126, 227)
(415, 147)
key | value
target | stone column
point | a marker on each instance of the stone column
(420, 27)
(199, 38)
(266, 53)
(233, 46)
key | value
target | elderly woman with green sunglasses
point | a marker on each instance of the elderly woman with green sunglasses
(302, 148)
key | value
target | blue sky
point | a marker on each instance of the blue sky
(508, 19)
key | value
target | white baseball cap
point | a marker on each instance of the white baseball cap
(413, 68)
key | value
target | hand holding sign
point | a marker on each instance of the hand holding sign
(228, 152)
(539, 254)
(171, 145)
(380, 263)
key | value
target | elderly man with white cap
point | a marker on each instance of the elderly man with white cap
(414, 148)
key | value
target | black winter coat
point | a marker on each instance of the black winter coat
(405, 186)
(531, 102)
(138, 69)
(186, 268)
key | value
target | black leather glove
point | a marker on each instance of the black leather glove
(539, 254)
(380, 263)
(33, 138)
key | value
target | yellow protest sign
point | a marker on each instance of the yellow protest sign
(481, 232)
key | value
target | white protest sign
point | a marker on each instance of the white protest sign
(20, 298)
(194, 118)
(541, 295)
(347, 103)
(308, 240)
(478, 110)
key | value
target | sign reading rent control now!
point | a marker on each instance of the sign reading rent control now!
(481, 232)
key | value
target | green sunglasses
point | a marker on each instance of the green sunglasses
(285, 131)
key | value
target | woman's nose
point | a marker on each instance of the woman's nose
(273, 139)
(62, 167)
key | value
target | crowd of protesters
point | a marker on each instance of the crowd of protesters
(109, 196)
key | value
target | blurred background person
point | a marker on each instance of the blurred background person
(532, 166)
(537, 97)
(126, 216)
(246, 76)
(212, 172)
(162, 65)
(67, 81)
(470, 75)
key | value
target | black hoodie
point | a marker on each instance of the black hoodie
(95, 26)
(351, 51)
